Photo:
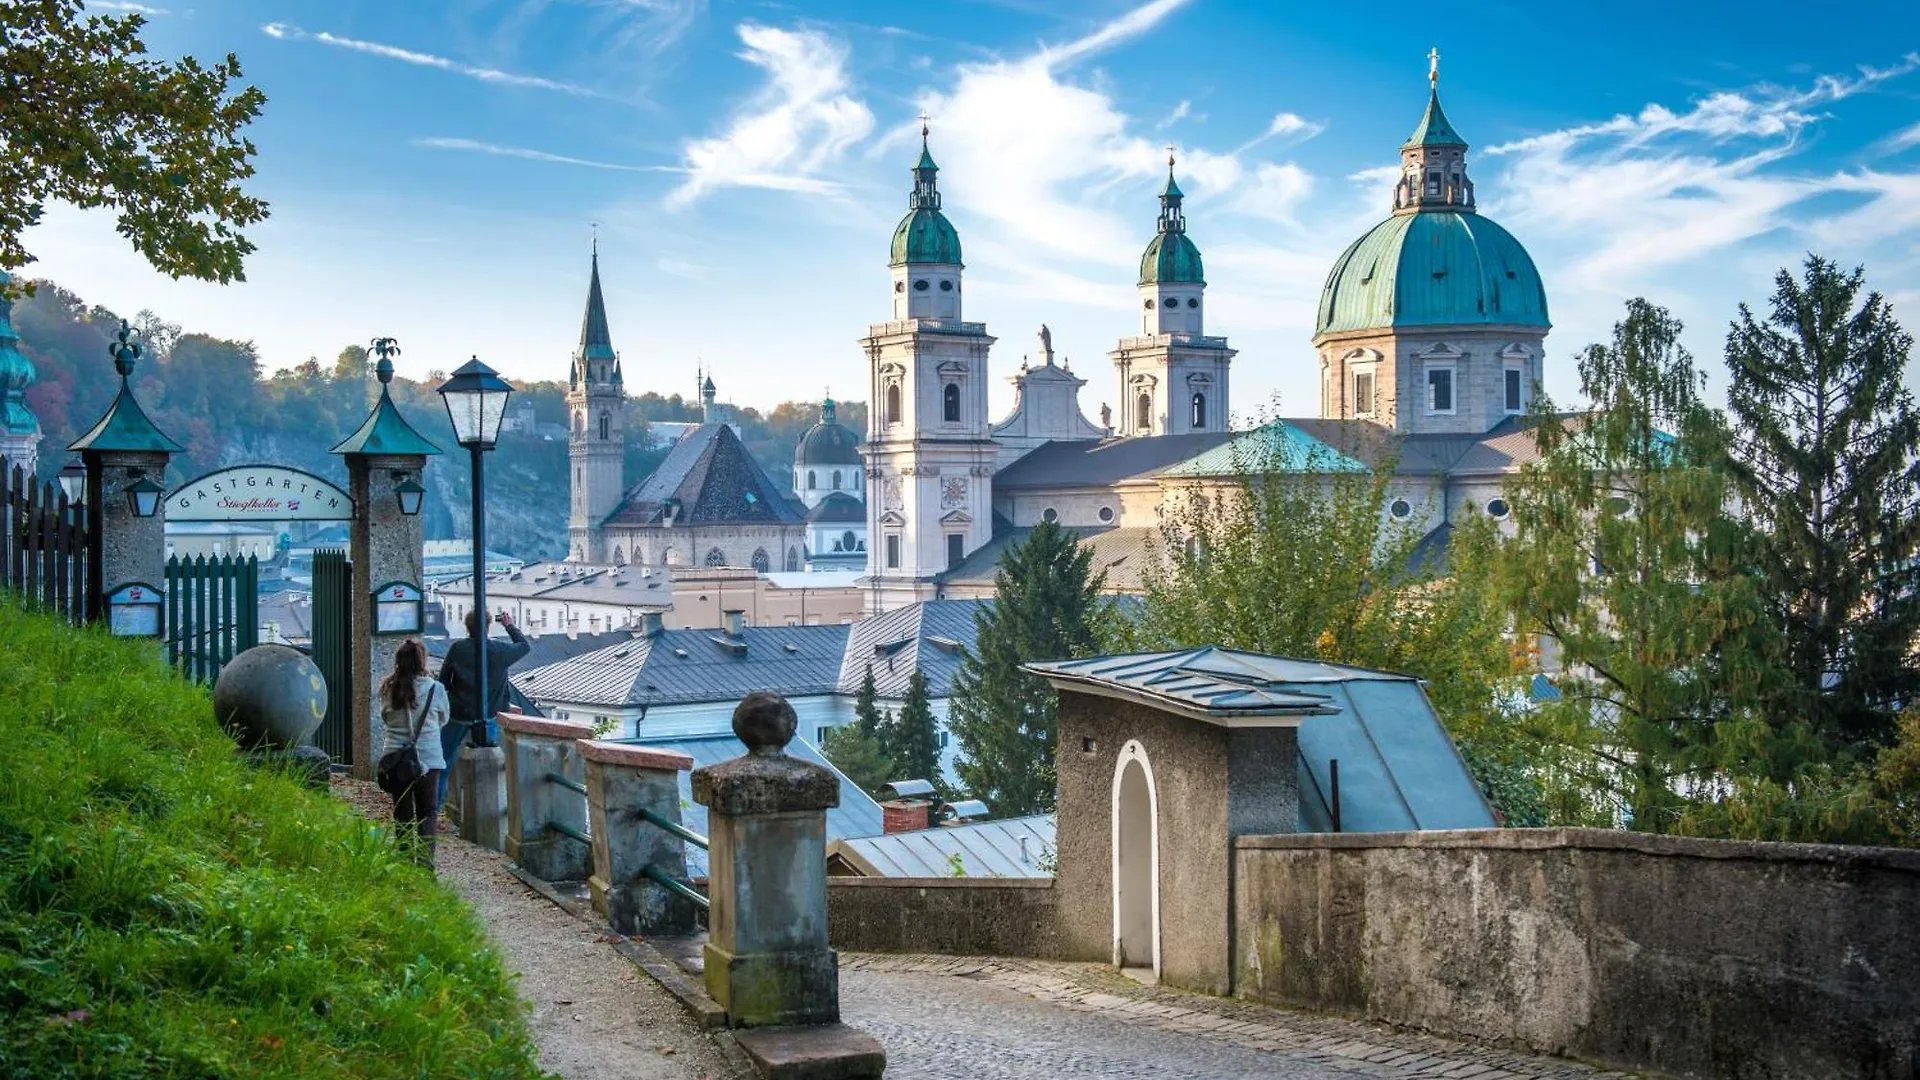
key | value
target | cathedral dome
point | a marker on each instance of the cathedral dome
(1171, 259)
(827, 442)
(925, 236)
(1432, 268)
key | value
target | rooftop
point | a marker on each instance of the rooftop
(1221, 686)
(1011, 847)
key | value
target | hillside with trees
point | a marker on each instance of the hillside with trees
(216, 398)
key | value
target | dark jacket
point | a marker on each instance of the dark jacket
(457, 674)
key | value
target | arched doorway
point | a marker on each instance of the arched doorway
(1136, 862)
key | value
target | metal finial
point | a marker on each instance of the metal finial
(386, 349)
(1170, 150)
(1433, 68)
(595, 226)
(923, 125)
(124, 350)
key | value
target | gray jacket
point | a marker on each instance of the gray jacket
(458, 676)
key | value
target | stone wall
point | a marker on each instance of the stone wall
(954, 916)
(1690, 956)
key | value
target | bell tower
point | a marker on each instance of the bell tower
(596, 427)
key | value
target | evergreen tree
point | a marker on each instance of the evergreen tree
(1046, 606)
(1828, 468)
(866, 710)
(1625, 558)
(859, 756)
(912, 739)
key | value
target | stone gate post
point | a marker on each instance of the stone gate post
(385, 459)
(126, 459)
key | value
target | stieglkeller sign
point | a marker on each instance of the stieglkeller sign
(259, 493)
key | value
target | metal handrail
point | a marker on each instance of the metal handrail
(568, 830)
(565, 782)
(673, 827)
(675, 886)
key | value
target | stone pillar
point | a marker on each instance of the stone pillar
(130, 548)
(621, 780)
(479, 790)
(534, 747)
(386, 546)
(767, 959)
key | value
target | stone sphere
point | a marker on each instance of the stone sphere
(270, 696)
(765, 722)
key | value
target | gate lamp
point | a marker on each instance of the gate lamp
(73, 479)
(408, 491)
(143, 495)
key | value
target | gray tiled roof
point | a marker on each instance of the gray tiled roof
(929, 636)
(714, 480)
(1120, 552)
(1089, 463)
(684, 666)
(857, 814)
(1011, 847)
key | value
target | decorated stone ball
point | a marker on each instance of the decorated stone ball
(270, 696)
(765, 722)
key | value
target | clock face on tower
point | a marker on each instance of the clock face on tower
(953, 492)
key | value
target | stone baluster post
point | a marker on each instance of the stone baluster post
(621, 780)
(533, 747)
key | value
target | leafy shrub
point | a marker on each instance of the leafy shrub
(166, 911)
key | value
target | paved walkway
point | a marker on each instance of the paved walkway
(974, 1019)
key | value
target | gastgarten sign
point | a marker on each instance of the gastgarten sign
(259, 493)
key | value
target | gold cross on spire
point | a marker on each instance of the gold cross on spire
(1170, 150)
(1433, 67)
(923, 123)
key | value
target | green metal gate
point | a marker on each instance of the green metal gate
(333, 649)
(213, 612)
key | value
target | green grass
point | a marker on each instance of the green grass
(168, 912)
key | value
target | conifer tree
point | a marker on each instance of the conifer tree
(1046, 607)
(1625, 558)
(911, 738)
(860, 749)
(1828, 468)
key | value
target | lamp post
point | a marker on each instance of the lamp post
(476, 398)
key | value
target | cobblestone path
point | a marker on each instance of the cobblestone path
(943, 1018)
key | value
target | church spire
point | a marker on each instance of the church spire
(596, 342)
(1171, 218)
(1433, 160)
(926, 195)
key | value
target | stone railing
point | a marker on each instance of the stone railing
(931, 326)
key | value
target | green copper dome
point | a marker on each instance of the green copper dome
(1171, 259)
(1432, 268)
(925, 236)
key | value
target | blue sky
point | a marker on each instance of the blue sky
(434, 169)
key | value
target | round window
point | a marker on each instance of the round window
(1050, 514)
(1149, 305)
(1193, 301)
(920, 285)
(1106, 515)
(899, 286)
(1401, 509)
(946, 286)
(1497, 507)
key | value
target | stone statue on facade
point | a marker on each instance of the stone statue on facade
(1046, 345)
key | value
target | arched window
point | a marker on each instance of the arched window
(1199, 411)
(606, 425)
(1143, 412)
(893, 403)
(761, 563)
(793, 559)
(669, 557)
(716, 557)
(836, 479)
(812, 481)
(952, 395)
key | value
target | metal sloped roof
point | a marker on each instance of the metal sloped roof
(857, 814)
(1208, 683)
(1013, 847)
(681, 666)
(929, 635)
(1119, 551)
(712, 480)
(1088, 463)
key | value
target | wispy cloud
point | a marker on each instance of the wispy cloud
(784, 137)
(527, 154)
(1180, 112)
(286, 32)
(1132, 24)
(122, 5)
(1899, 140)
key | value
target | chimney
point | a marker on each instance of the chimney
(736, 622)
(651, 623)
(902, 816)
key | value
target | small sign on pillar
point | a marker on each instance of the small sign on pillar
(399, 608)
(133, 610)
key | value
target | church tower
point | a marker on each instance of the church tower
(1172, 377)
(929, 450)
(596, 420)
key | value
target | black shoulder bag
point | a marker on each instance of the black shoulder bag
(399, 769)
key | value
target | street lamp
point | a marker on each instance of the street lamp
(476, 398)
(73, 480)
(143, 495)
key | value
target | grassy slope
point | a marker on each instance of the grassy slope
(166, 912)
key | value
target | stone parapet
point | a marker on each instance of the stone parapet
(543, 817)
(622, 781)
